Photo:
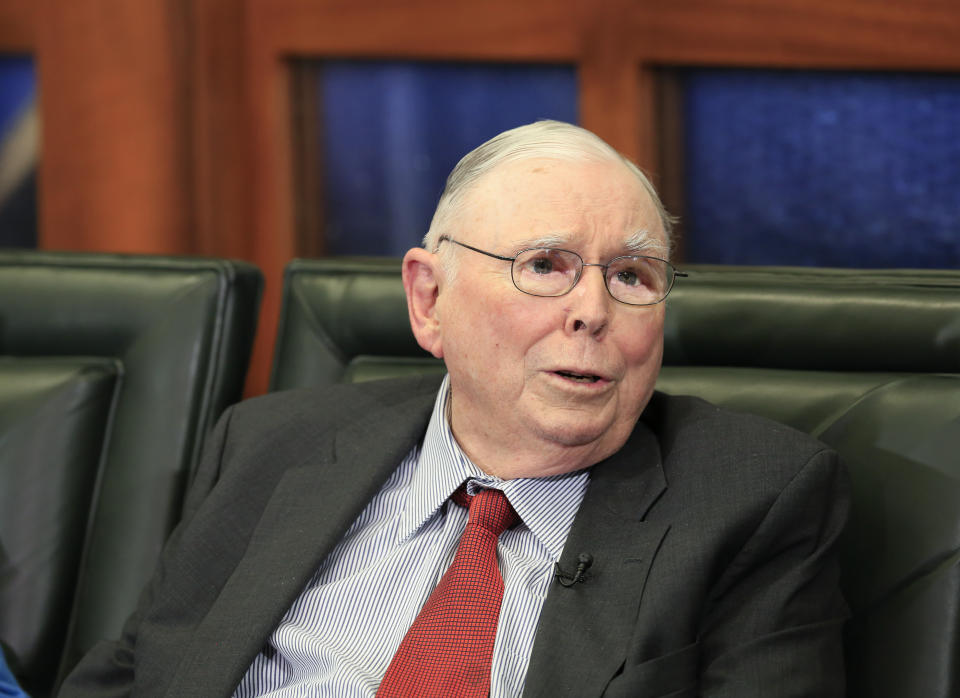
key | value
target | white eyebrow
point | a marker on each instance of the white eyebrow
(552, 240)
(643, 243)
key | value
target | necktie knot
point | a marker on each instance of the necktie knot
(490, 509)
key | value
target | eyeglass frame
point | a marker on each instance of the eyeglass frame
(512, 260)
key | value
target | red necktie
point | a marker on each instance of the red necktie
(449, 648)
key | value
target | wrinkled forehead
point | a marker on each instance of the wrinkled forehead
(563, 203)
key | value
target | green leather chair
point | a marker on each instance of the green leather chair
(867, 361)
(112, 370)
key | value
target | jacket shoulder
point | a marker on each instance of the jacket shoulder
(712, 447)
(285, 413)
(684, 422)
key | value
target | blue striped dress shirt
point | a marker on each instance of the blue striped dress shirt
(341, 633)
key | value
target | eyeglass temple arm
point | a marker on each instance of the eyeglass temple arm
(475, 249)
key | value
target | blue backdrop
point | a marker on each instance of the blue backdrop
(391, 132)
(18, 196)
(819, 168)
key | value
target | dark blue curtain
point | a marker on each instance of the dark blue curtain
(18, 188)
(820, 168)
(392, 131)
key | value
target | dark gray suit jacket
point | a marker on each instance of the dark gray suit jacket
(712, 533)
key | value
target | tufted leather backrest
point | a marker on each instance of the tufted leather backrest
(54, 417)
(868, 361)
(112, 370)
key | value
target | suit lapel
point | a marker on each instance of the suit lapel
(313, 505)
(584, 630)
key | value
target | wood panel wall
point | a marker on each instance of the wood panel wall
(168, 124)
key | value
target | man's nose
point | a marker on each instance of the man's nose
(589, 303)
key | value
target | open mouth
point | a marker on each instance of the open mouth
(579, 377)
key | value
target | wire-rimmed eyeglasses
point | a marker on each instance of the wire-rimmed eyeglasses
(549, 271)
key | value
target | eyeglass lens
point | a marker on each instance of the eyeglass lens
(553, 272)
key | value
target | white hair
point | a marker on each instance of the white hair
(542, 139)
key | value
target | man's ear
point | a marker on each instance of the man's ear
(421, 281)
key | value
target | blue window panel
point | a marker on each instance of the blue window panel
(817, 168)
(392, 131)
(18, 185)
(17, 88)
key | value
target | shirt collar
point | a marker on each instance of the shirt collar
(547, 506)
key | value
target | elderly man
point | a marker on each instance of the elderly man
(541, 522)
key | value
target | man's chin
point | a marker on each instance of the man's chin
(575, 433)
